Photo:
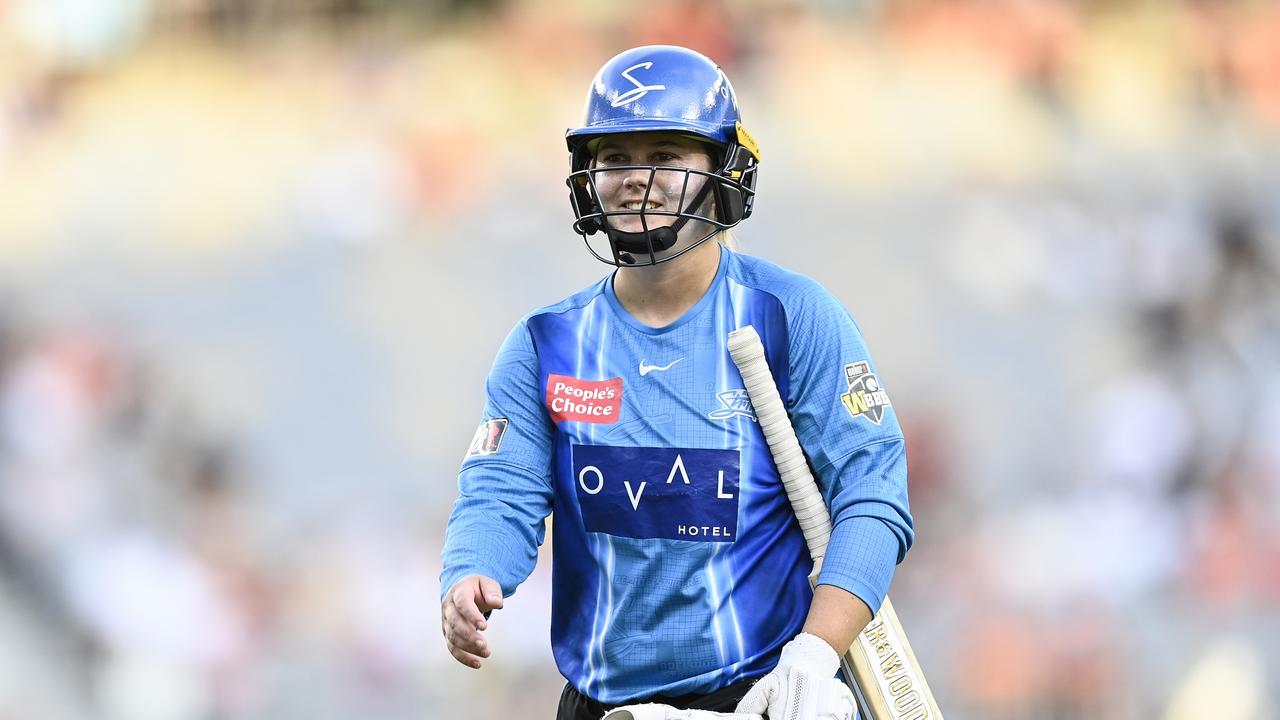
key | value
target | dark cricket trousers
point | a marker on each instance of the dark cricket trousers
(576, 706)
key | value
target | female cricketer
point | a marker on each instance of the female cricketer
(679, 570)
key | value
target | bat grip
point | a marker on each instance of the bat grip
(811, 511)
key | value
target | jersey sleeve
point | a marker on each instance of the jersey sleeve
(846, 424)
(504, 487)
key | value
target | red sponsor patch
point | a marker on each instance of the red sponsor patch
(589, 401)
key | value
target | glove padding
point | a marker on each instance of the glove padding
(803, 685)
(653, 711)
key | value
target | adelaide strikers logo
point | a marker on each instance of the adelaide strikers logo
(865, 397)
(733, 403)
(640, 89)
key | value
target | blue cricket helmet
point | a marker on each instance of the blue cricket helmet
(660, 87)
(663, 88)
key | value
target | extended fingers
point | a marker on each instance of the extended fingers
(464, 657)
(462, 632)
(467, 638)
(463, 621)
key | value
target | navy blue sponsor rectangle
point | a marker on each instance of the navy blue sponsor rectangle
(672, 493)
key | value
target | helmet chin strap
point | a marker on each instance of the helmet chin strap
(651, 242)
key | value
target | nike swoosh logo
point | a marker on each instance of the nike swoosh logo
(646, 369)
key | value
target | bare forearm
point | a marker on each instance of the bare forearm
(836, 616)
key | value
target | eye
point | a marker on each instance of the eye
(663, 158)
(613, 159)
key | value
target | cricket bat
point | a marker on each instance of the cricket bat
(880, 667)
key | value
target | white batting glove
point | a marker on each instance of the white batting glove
(653, 711)
(803, 685)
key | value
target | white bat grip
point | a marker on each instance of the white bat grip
(880, 667)
(748, 354)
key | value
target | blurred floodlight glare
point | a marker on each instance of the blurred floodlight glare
(79, 32)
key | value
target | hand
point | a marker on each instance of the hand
(803, 685)
(462, 617)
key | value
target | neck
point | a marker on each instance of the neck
(658, 295)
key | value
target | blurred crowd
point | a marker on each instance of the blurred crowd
(121, 530)
(235, 385)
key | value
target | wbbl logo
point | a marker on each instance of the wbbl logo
(865, 397)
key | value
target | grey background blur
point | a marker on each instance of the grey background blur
(255, 259)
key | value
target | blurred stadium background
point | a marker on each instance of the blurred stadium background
(255, 258)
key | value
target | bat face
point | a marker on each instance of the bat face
(888, 677)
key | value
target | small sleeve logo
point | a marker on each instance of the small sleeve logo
(488, 437)
(865, 397)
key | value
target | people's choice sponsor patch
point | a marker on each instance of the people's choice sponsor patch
(588, 401)
(672, 493)
(865, 398)
(488, 437)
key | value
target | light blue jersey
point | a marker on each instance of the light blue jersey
(678, 564)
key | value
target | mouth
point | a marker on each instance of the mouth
(641, 205)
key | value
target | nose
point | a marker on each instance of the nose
(637, 178)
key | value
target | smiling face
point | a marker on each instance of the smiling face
(660, 186)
